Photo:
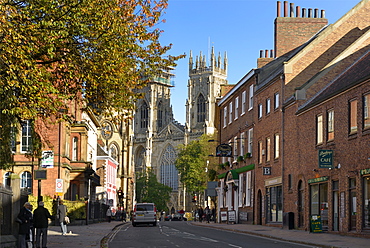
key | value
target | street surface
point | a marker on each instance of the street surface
(183, 234)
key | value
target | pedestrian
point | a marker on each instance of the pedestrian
(32, 232)
(124, 215)
(24, 219)
(119, 215)
(207, 212)
(109, 214)
(200, 212)
(61, 215)
(40, 222)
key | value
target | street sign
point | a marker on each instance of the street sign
(47, 159)
(59, 185)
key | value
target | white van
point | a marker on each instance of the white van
(144, 213)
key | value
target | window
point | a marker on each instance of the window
(274, 204)
(276, 146)
(245, 183)
(168, 172)
(7, 180)
(230, 112)
(250, 100)
(235, 152)
(276, 100)
(260, 151)
(366, 208)
(201, 108)
(236, 108)
(290, 181)
(259, 111)
(250, 140)
(144, 115)
(366, 114)
(242, 144)
(268, 144)
(26, 141)
(74, 149)
(330, 125)
(244, 102)
(26, 180)
(268, 102)
(113, 152)
(225, 116)
(319, 131)
(160, 115)
(353, 116)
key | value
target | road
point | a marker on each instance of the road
(183, 234)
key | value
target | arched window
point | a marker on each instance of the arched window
(144, 115)
(160, 115)
(201, 109)
(7, 178)
(74, 149)
(113, 152)
(139, 159)
(26, 180)
(169, 173)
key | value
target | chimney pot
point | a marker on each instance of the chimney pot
(266, 53)
(291, 9)
(278, 8)
(271, 53)
(298, 11)
(261, 53)
(309, 13)
(322, 13)
(285, 8)
(303, 12)
(316, 13)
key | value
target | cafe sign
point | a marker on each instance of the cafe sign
(223, 150)
(326, 159)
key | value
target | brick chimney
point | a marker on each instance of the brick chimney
(265, 57)
(293, 29)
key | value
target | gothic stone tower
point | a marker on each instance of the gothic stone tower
(157, 134)
(204, 87)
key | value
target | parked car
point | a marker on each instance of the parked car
(144, 213)
(168, 218)
(178, 217)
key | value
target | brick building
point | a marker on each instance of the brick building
(302, 78)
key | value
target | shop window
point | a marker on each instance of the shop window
(367, 202)
(352, 203)
(336, 205)
(274, 204)
(319, 203)
(353, 116)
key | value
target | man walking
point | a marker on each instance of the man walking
(25, 220)
(40, 222)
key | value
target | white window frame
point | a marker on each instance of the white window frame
(240, 203)
(236, 108)
(244, 102)
(319, 129)
(242, 144)
(74, 148)
(268, 106)
(248, 186)
(268, 149)
(260, 109)
(230, 112)
(250, 140)
(235, 147)
(250, 98)
(276, 145)
(276, 100)
(225, 116)
(27, 136)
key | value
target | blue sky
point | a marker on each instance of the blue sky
(239, 27)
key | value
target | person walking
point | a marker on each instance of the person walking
(201, 213)
(40, 222)
(61, 215)
(109, 214)
(24, 219)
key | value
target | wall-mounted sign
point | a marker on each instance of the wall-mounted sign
(326, 159)
(47, 159)
(40, 175)
(266, 170)
(317, 180)
(224, 150)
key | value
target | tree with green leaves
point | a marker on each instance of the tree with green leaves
(195, 165)
(96, 52)
(148, 189)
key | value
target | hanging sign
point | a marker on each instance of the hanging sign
(47, 159)
(223, 150)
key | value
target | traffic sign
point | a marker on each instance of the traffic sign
(59, 185)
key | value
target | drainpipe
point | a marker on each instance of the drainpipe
(282, 77)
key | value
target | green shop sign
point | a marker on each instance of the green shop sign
(325, 158)
(365, 171)
(317, 180)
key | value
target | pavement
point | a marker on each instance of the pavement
(98, 234)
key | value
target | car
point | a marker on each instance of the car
(168, 218)
(144, 213)
(178, 217)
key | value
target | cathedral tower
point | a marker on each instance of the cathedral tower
(204, 87)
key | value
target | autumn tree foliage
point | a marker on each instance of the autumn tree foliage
(53, 52)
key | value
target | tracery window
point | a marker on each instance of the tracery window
(201, 108)
(144, 115)
(169, 173)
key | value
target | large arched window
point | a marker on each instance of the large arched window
(144, 115)
(160, 115)
(201, 109)
(139, 159)
(26, 180)
(169, 173)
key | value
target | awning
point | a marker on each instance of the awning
(235, 172)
